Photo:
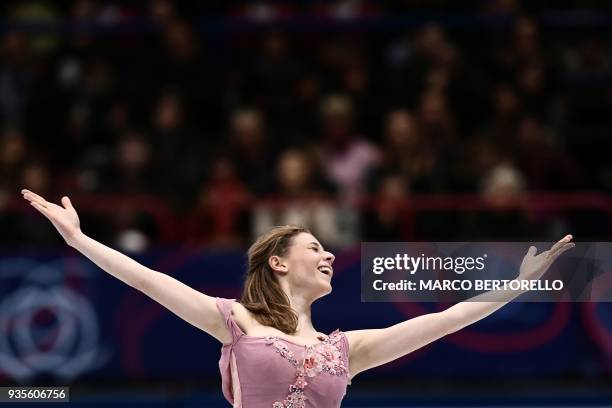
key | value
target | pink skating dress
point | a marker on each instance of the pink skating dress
(271, 372)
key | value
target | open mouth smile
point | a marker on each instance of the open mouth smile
(327, 270)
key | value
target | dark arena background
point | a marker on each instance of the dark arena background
(182, 130)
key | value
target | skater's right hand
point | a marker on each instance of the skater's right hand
(64, 219)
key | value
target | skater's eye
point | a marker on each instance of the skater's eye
(315, 246)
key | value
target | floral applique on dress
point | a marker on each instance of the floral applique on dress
(324, 356)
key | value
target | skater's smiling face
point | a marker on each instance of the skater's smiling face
(306, 267)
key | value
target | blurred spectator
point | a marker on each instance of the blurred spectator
(346, 9)
(407, 154)
(13, 153)
(544, 164)
(83, 12)
(590, 58)
(92, 97)
(345, 156)
(132, 170)
(221, 216)
(304, 113)
(588, 68)
(274, 71)
(523, 49)
(526, 41)
(531, 82)
(506, 111)
(503, 185)
(435, 120)
(386, 219)
(302, 200)
(263, 11)
(16, 78)
(162, 11)
(251, 150)
(502, 6)
(182, 64)
(439, 131)
(529, 65)
(36, 177)
(367, 99)
(31, 228)
(181, 49)
(503, 188)
(298, 176)
(478, 158)
(173, 139)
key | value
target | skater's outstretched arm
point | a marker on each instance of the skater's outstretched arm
(373, 347)
(189, 304)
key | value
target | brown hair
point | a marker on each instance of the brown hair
(262, 294)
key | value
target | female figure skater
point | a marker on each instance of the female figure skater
(272, 356)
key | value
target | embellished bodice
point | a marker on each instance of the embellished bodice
(316, 359)
(273, 372)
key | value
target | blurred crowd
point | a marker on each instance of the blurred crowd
(244, 115)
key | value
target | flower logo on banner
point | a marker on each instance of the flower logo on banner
(45, 326)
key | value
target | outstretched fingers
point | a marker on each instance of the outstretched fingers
(33, 194)
(561, 246)
(66, 202)
(532, 251)
(33, 197)
(42, 209)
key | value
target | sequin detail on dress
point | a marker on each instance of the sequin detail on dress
(324, 356)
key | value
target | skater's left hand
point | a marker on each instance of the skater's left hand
(534, 266)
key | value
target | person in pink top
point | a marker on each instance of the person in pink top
(272, 356)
